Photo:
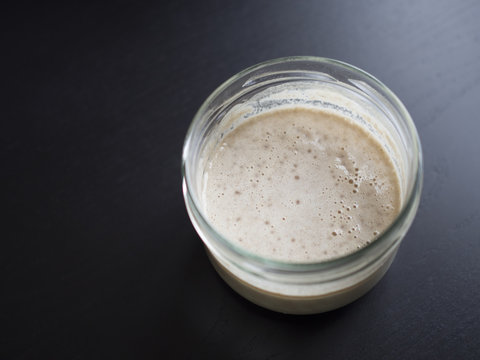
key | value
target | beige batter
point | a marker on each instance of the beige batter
(300, 185)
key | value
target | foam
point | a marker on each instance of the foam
(300, 185)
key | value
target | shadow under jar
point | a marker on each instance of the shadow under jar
(314, 285)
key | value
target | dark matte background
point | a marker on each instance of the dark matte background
(98, 258)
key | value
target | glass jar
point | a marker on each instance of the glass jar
(303, 288)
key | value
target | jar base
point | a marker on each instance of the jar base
(300, 305)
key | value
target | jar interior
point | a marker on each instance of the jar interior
(354, 96)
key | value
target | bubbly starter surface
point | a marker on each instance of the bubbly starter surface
(300, 185)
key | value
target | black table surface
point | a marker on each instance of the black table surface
(98, 259)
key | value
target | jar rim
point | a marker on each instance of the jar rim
(408, 207)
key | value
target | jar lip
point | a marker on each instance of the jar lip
(277, 265)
